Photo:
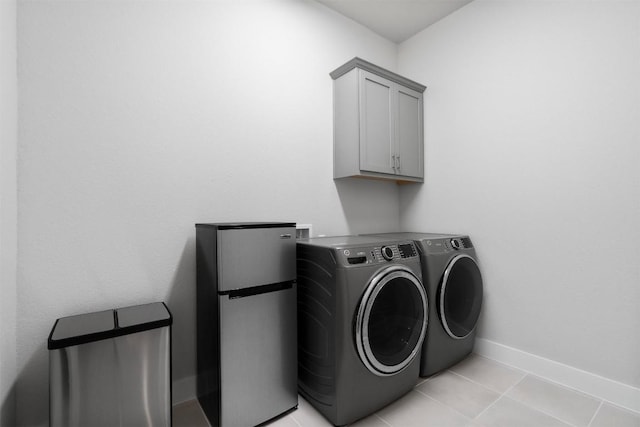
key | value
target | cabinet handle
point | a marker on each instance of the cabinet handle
(393, 159)
(398, 159)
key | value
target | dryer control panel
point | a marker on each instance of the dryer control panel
(379, 254)
(436, 246)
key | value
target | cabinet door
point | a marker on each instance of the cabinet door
(376, 124)
(409, 133)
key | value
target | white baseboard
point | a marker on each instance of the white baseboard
(184, 389)
(615, 392)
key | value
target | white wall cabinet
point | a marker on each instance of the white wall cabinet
(378, 124)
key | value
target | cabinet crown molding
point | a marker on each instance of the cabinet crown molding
(375, 69)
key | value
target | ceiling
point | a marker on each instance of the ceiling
(396, 20)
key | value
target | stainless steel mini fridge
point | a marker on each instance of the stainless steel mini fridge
(111, 368)
(246, 321)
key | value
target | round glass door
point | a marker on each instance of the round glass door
(391, 321)
(460, 296)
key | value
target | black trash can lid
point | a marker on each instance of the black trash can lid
(86, 328)
(80, 329)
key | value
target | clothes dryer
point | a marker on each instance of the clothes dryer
(362, 318)
(453, 282)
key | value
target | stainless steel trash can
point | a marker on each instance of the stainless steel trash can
(111, 368)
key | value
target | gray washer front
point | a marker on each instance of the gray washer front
(362, 314)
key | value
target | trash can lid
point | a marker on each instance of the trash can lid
(80, 329)
(86, 328)
(143, 317)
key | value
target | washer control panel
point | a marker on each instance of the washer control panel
(379, 254)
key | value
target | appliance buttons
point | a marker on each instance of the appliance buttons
(456, 244)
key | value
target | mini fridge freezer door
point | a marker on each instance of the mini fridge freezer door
(258, 357)
(255, 256)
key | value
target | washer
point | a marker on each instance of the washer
(362, 318)
(454, 285)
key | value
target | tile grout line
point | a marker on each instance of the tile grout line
(566, 387)
(415, 388)
(538, 409)
(484, 385)
(596, 413)
(617, 405)
(295, 420)
(426, 379)
(500, 397)
(560, 384)
(544, 412)
(583, 393)
(382, 419)
(444, 404)
(421, 381)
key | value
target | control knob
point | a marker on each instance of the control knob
(387, 253)
(456, 243)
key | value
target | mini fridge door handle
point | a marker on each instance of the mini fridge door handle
(257, 290)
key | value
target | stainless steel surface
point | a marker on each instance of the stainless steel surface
(258, 357)
(255, 256)
(122, 381)
(364, 311)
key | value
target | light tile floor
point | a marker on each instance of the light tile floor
(477, 392)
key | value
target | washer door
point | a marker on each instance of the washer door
(460, 296)
(391, 321)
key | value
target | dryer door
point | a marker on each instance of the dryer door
(391, 321)
(460, 296)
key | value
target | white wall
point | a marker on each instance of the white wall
(139, 119)
(8, 208)
(532, 148)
